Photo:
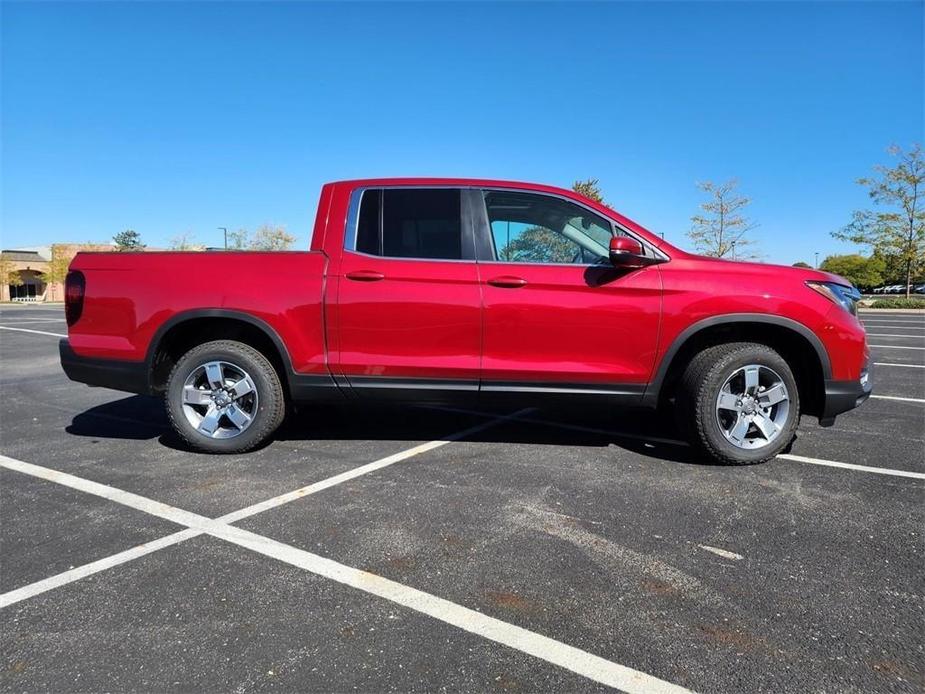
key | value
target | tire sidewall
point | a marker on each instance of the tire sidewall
(714, 381)
(265, 381)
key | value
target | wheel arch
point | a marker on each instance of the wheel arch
(796, 343)
(184, 330)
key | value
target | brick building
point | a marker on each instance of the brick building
(39, 270)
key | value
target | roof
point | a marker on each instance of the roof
(653, 238)
(23, 256)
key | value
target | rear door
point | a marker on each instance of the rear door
(408, 306)
(558, 317)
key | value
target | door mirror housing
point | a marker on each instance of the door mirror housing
(628, 252)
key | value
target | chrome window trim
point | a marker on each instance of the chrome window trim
(658, 253)
(353, 217)
(399, 258)
(356, 196)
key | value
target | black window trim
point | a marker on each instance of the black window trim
(467, 243)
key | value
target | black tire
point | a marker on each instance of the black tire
(697, 401)
(270, 408)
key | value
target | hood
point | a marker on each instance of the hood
(798, 273)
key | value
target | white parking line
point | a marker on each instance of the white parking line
(36, 332)
(852, 466)
(895, 347)
(896, 397)
(908, 366)
(675, 442)
(917, 337)
(547, 649)
(141, 550)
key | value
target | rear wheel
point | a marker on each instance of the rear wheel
(224, 397)
(739, 403)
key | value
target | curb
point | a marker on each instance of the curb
(910, 311)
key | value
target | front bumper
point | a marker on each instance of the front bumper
(841, 396)
(130, 376)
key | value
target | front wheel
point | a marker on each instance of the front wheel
(224, 397)
(739, 403)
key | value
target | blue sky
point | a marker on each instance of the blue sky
(171, 117)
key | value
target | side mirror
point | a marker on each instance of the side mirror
(627, 252)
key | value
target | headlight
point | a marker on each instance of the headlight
(846, 297)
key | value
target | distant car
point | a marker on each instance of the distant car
(895, 289)
(920, 289)
(878, 290)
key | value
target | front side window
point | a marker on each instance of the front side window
(410, 223)
(535, 228)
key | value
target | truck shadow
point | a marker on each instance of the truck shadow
(141, 417)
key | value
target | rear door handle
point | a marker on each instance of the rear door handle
(365, 276)
(507, 281)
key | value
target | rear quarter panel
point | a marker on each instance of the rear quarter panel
(129, 296)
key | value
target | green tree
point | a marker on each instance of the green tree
(539, 245)
(8, 275)
(128, 240)
(271, 238)
(57, 271)
(590, 189)
(722, 229)
(802, 264)
(860, 271)
(897, 232)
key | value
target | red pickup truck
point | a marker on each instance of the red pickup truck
(449, 290)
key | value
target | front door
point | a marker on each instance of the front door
(408, 304)
(558, 317)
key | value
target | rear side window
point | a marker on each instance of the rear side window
(411, 223)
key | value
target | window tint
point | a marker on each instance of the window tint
(368, 239)
(532, 228)
(410, 223)
(421, 224)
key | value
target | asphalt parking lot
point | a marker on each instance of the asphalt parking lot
(411, 549)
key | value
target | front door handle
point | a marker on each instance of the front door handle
(365, 276)
(507, 281)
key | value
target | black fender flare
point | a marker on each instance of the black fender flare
(653, 390)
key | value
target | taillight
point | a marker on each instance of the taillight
(74, 286)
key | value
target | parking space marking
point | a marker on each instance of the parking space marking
(852, 466)
(316, 487)
(26, 330)
(555, 652)
(674, 442)
(75, 574)
(916, 337)
(79, 572)
(895, 347)
(896, 397)
(908, 366)
(27, 321)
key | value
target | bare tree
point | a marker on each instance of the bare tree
(271, 238)
(722, 228)
(184, 241)
(897, 234)
(238, 240)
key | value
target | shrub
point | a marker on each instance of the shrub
(900, 302)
